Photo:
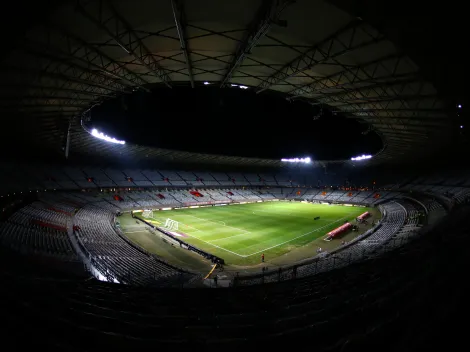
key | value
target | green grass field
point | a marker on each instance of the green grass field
(241, 233)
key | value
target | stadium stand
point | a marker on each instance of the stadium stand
(206, 178)
(283, 180)
(137, 178)
(317, 308)
(98, 176)
(50, 214)
(111, 255)
(117, 176)
(106, 249)
(155, 178)
(316, 299)
(173, 178)
(223, 179)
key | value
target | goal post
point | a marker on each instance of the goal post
(171, 224)
(147, 214)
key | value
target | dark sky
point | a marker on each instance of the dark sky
(234, 122)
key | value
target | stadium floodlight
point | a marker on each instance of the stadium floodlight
(243, 87)
(101, 135)
(361, 157)
(233, 85)
(306, 160)
(459, 106)
(206, 83)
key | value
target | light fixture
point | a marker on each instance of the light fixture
(206, 83)
(361, 157)
(306, 160)
(101, 135)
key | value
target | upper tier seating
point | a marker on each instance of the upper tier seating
(137, 177)
(206, 178)
(118, 177)
(173, 178)
(99, 177)
(29, 177)
(191, 178)
(155, 178)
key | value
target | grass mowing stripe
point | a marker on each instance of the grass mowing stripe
(217, 222)
(292, 239)
(224, 238)
(214, 245)
(273, 228)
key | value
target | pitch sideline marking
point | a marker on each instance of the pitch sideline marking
(305, 234)
(211, 244)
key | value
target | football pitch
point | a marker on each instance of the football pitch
(241, 233)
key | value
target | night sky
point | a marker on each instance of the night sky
(234, 122)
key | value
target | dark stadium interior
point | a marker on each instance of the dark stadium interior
(326, 79)
(208, 115)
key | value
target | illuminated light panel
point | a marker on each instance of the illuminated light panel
(101, 135)
(297, 160)
(238, 85)
(361, 157)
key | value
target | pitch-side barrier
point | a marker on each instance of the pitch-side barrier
(183, 244)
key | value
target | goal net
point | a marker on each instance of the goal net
(171, 224)
(147, 214)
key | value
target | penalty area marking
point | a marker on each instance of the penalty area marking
(218, 222)
(182, 223)
(215, 222)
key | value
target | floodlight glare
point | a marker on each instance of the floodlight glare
(459, 106)
(297, 160)
(206, 83)
(361, 157)
(233, 85)
(101, 135)
(243, 87)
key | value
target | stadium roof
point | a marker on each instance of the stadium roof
(85, 52)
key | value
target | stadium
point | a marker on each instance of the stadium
(217, 174)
